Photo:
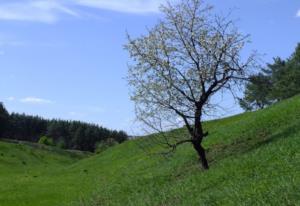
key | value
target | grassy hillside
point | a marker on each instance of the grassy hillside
(31, 174)
(254, 158)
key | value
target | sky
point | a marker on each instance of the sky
(65, 58)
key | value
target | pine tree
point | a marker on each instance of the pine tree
(4, 120)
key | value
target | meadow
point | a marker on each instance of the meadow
(254, 159)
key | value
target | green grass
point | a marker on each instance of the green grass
(254, 158)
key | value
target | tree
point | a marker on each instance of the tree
(46, 141)
(4, 119)
(276, 71)
(119, 136)
(64, 134)
(278, 81)
(257, 93)
(287, 79)
(183, 61)
(104, 145)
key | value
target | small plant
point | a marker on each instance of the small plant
(46, 141)
(103, 145)
(61, 144)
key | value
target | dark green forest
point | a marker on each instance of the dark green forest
(64, 134)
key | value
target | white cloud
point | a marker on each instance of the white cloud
(7, 40)
(87, 110)
(10, 98)
(298, 13)
(35, 100)
(129, 6)
(73, 113)
(11, 43)
(94, 109)
(77, 115)
(49, 11)
(46, 11)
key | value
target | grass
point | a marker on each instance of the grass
(254, 158)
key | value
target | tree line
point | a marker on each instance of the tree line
(64, 134)
(278, 81)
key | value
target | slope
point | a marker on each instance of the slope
(254, 158)
(29, 174)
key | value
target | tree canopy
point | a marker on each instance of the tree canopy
(4, 119)
(189, 56)
(279, 80)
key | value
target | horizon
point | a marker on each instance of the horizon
(65, 59)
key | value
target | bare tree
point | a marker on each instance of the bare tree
(180, 64)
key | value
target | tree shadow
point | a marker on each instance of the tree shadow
(248, 143)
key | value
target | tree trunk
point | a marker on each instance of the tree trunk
(197, 139)
(201, 153)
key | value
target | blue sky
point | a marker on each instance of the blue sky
(65, 58)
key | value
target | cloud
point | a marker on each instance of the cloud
(9, 43)
(298, 13)
(10, 98)
(94, 109)
(77, 115)
(7, 40)
(35, 100)
(86, 110)
(45, 11)
(73, 113)
(50, 11)
(128, 6)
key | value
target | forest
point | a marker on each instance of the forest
(75, 135)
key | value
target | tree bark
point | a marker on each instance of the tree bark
(198, 136)
(201, 153)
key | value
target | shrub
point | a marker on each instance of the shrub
(104, 145)
(61, 144)
(46, 141)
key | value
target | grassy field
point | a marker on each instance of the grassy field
(254, 158)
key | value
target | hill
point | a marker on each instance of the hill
(254, 158)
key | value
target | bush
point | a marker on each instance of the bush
(61, 144)
(104, 145)
(46, 141)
